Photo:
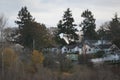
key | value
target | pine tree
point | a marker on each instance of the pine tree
(24, 23)
(67, 27)
(31, 34)
(115, 30)
(60, 30)
(115, 26)
(88, 25)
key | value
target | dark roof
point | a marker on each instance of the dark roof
(91, 45)
(91, 41)
(73, 46)
(105, 46)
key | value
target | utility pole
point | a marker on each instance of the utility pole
(84, 48)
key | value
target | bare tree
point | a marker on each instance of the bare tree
(3, 22)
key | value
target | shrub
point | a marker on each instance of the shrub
(50, 61)
(9, 57)
(99, 54)
(65, 64)
(37, 57)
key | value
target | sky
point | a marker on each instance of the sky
(50, 12)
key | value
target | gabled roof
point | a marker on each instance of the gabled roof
(73, 46)
(105, 46)
(114, 47)
(93, 46)
(96, 41)
(91, 41)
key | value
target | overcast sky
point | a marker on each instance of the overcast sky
(50, 12)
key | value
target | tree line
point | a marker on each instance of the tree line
(33, 64)
(34, 35)
(108, 31)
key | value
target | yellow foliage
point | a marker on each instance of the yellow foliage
(37, 57)
(9, 56)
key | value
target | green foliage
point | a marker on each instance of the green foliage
(112, 30)
(24, 23)
(115, 27)
(99, 54)
(116, 41)
(103, 32)
(115, 30)
(59, 40)
(30, 33)
(67, 27)
(88, 25)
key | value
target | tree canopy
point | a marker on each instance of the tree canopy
(115, 26)
(88, 25)
(31, 34)
(67, 27)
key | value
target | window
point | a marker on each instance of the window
(89, 49)
(65, 49)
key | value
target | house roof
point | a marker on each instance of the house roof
(91, 41)
(73, 46)
(93, 46)
(96, 41)
(105, 46)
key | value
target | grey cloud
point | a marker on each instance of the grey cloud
(54, 9)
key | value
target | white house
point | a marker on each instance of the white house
(64, 49)
(89, 48)
(111, 57)
(72, 49)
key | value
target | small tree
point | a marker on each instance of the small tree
(37, 57)
(37, 60)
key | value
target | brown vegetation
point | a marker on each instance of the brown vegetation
(17, 69)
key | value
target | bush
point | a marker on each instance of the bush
(65, 64)
(37, 57)
(99, 54)
(9, 57)
(50, 61)
(84, 59)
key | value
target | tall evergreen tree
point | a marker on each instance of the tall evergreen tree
(60, 30)
(104, 32)
(88, 25)
(67, 27)
(115, 27)
(115, 30)
(24, 23)
(31, 34)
